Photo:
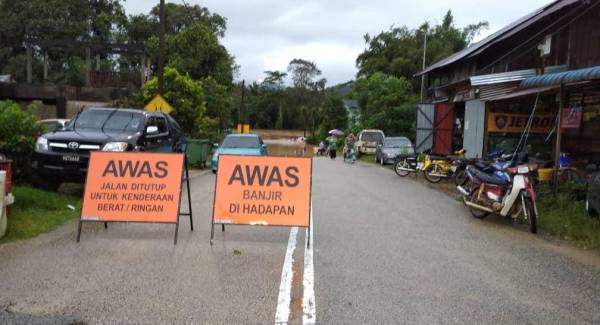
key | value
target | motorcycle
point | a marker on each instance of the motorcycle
(437, 168)
(407, 164)
(508, 192)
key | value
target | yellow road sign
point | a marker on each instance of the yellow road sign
(159, 104)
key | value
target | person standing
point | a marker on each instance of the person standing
(333, 148)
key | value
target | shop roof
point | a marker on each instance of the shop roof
(556, 79)
(500, 35)
(521, 93)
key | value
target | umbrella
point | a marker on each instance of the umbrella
(336, 132)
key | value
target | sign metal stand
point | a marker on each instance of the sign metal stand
(185, 176)
(213, 223)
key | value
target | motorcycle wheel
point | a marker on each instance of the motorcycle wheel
(402, 164)
(531, 216)
(460, 177)
(479, 214)
(430, 178)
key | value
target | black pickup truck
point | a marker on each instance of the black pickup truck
(62, 155)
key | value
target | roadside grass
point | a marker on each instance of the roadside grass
(36, 211)
(367, 158)
(564, 216)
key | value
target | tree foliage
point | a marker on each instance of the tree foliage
(18, 132)
(398, 52)
(386, 103)
(27, 21)
(272, 104)
(184, 94)
(333, 114)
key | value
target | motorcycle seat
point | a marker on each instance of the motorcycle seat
(485, 177)
(432, 157)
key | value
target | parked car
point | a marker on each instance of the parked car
(393, 147)
(592, 200)
(54, 124)
(368, 140)
(238, 144)
(63, 155)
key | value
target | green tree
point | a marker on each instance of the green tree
(18, 132)
(197, 52)
(275, 79)
(25, 22)
(334, 115)
(178, 17)
(398, 52)
(185, 95)
(387, 103)
(303, 73)
(218, 102)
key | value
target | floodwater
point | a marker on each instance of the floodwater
(285, 143)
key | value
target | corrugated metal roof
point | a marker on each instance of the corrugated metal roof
(494, 90)
(518, 75)
(502, 34)
(521, 93)
(553, 79)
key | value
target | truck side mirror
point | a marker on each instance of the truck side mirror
(152, 130)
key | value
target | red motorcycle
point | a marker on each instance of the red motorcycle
(508, 192)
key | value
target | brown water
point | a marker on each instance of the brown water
(285, 143)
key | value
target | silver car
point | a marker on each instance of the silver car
(393, 147)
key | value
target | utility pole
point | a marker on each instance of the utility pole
(423, 68)
(241, 113)
(161, 48)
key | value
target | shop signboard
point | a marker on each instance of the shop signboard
(515, 123)
(571, 117)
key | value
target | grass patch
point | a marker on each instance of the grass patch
(564, 215)
(36, 211)
(367, 158)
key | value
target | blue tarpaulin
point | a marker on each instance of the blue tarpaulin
(553, 79)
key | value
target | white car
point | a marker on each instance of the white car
(368, 140)
(54, 124)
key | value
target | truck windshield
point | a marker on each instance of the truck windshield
(241, 142)
(106, 121)
(371, 137)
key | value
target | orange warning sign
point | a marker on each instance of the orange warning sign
(133, 187)
(263, 190)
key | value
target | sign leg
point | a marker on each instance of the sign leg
(212, 233)
(189, 194)
(79, 231)
(308, 238)
(106, 225)
(176, 231)
(223, 227)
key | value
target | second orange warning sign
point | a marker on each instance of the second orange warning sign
(263, 190)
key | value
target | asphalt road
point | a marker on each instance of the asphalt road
(386, 251)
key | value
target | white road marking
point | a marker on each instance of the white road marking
(308, 297)
(285, 287)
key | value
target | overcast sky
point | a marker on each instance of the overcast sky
(267, 34)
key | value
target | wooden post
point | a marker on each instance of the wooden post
(29, 68)
(45, 66)
(558, 138)
(97, 62)
(88, 65)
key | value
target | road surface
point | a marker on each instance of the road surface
(385, 250)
